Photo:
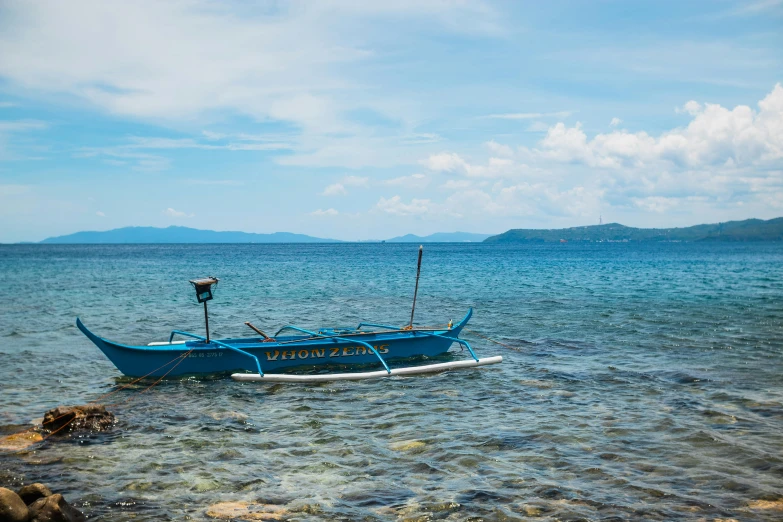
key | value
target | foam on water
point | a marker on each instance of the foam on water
(640, 381)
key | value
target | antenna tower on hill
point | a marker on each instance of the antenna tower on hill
(600, 219)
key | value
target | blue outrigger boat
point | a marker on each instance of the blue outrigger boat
(262, 358)
(266, 356)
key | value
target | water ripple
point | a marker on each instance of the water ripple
(639, 382)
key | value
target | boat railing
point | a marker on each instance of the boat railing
(340, 338)
(453, 339)
(373, 325)
(219, 343)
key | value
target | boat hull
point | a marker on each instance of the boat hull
(201, 358)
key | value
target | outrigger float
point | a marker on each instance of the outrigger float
(291, 348)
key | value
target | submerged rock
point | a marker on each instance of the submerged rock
(90, 417)
(20, 441)
(54, 508)
(414, 446)
(12, 507)
(246, 511)
(33, 492)
(775, 505)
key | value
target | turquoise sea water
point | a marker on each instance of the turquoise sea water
(640, 381)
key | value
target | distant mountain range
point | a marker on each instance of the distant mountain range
(181, 235)
(747, 230)
(440, 237)
(192, 235)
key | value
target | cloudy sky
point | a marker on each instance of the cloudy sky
(356, 120)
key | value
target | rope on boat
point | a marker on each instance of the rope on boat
(181, 358)
(185, 355)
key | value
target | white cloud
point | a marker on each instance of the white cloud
(395, 206)
(189, 143)
(414, 181)
(716, 136)
(170, 212)
(658, 204)
(615, 122)
(499, 149)
(518, 200)
(538, 126)
(458, 184)
(212, 135)
(9, 149)
(140, 161)
(423, 137)
(338, 189)
(335, 189)
(744, 9)
(723, 158)
(530, 115)
(284, 61)
(445, 162)
(355, 181)
(495, 167)
(100, 214)
(21, 125)
(225, 182)
(327, 212)
(692, 107)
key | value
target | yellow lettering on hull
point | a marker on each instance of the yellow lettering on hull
(319, 353)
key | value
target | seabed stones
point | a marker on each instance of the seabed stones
(410, 446)
(771, 505)
(36, 503)
(242, 510)
(20, 441)
(61, 421)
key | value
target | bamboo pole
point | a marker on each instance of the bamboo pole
(416, 290)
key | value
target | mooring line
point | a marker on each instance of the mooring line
(181, 358)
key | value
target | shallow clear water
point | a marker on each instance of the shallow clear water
(639, 382)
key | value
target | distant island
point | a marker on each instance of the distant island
(441, 237)
(747, 230)
(175, 234)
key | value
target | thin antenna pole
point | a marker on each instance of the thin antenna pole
(206, 319)
(416, 291)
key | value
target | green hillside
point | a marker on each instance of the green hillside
(747, 230)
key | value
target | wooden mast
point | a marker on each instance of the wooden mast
(416, 290)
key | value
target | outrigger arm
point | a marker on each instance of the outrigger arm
(219, 343)
(454, 339)
(344, 339)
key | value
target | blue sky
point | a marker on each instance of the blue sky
(360, 120)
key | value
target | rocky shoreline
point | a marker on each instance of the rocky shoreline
(36, 503)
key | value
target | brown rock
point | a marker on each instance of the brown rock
(32, 492)
(775, 505)
(90, 417)
(54, 508)
(12, 508)
(246, 511)
(19, 441)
